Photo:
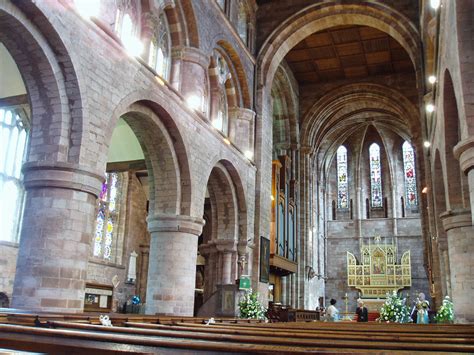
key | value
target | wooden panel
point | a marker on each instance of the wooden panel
(319, 40)
(376, 45)
(345, 35)
(325, 64)
(353, 60)
(356, 72)
(298, 55)
(322, 52)
(349, 49)
(303, 67)
(378, 57)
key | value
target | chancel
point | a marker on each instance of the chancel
(167, 160)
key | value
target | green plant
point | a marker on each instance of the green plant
(250, 306)
(446, 312)
(394, 309)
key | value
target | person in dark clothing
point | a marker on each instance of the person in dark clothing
(362, 312)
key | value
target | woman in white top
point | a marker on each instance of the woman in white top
(332, 312)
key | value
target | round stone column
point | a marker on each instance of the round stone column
(172, 264)
(464, 152)
(55, 237)
(460, 233)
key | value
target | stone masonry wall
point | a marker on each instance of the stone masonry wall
(8, 255)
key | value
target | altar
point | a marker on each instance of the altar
(378, 271)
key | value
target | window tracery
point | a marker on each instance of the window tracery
(14, 138)
(342, 184)
(375, 176)
(107, 220)
(160, 47)
(409, 175)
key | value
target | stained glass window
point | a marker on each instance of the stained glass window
(13, 141)
(410, 177)
(242, 23)
(342, 187)
(375, 176)
(160, 50)
(107, 216)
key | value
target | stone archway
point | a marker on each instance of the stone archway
(173, 244)
(226, 247)
(59, 190)
(441, 258)
(320, 16)
(456, 180)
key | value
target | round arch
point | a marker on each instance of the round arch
(42, 59)
(321, 16)
(164, 150)
(451, 138)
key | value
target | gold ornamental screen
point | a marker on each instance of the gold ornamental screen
(378, 271)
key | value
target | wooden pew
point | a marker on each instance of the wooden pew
(295, 339)
(58, 341)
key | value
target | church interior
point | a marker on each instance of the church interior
(161, 157)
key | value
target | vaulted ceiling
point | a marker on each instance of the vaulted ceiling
(347, 52)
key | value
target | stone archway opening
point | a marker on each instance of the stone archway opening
(224, 244)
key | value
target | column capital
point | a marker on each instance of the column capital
(44, 174)
(226, 246)
(456, 218)
(464, 152)
(175, 223)
(241, 113)
(191, 54)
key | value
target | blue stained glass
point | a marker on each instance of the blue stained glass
(107, 216)
(375, 176)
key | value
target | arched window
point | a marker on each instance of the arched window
(127, 31)
(221, 4)
(124, 26)
(375, 176)
(160, 48)
(342, 188)
(13, 141)
(107, 221)
(411, 196)
(242, 23)
(220, 119)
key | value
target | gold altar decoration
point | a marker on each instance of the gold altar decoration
(378, 272)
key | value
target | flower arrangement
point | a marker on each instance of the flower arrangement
(446, 312)
(394, 310)
(250, 306)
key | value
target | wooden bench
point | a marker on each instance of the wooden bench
(266, 335)
(138, 333)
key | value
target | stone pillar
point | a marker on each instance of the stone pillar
(189, 75)
(209, 251)
(460, 232)
(143, 271)
(227, 250)
(172, 266)
(56, 235)
(464, 152)
(241, 128)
